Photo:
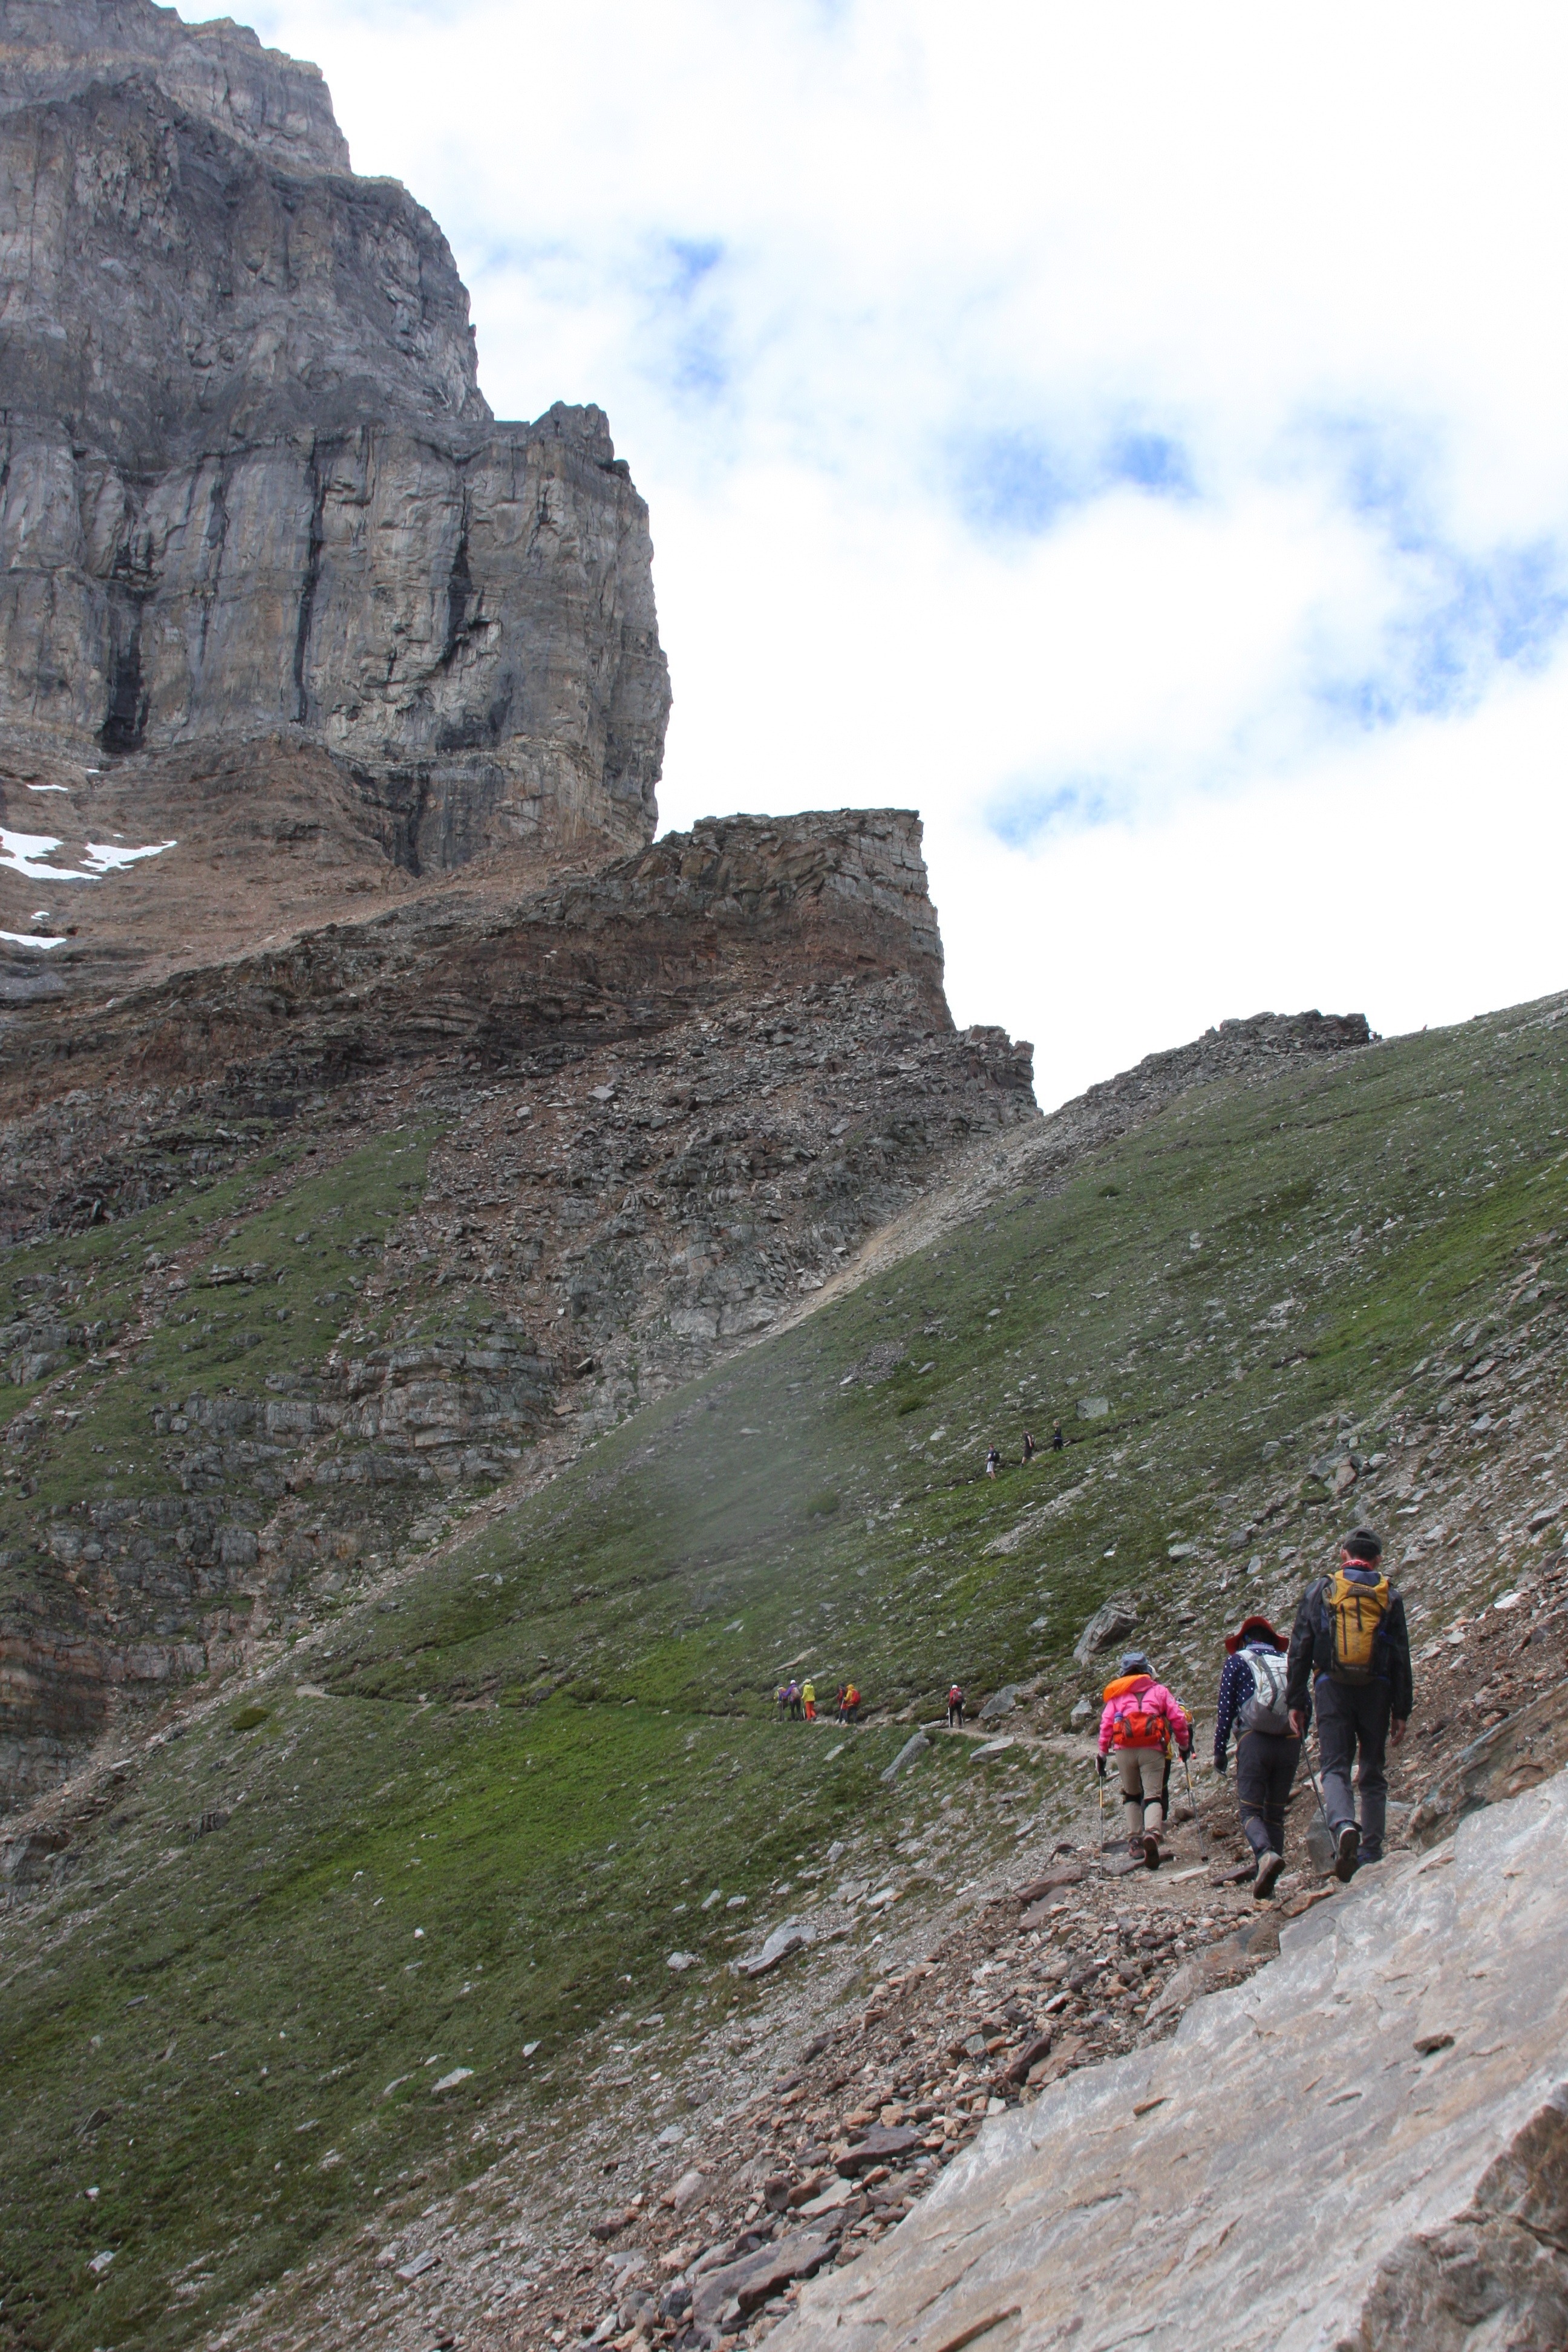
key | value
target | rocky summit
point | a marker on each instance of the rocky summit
(250, 493)
(489, 1299)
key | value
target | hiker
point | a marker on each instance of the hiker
(1056, 1437)
(852, 1703)
(808, 1700)
(839, 1704)
(1252, 1701)
(954, 1708)
(1028, 1447)
(782, 1698)
(1141, 1721)
(993, 1462)
(1350, 1664)
(791, 1699)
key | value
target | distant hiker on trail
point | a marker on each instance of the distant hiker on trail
(1253, 1701)
(781, 1696)
(792, 1700)
(1350, 1661)
(1056, 1437)
(808, 1700)
(1028, 1447)
(993, 1462)
(954, 1708)
(839, 1704)
(851, 1702)
(1140, 1722)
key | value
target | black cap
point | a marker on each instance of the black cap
(1362, 1544)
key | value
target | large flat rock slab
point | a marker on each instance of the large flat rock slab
(1365, 2146)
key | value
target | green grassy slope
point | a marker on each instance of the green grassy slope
(301, 1237)
(548, 1748)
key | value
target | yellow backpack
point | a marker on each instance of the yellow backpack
(1356, 1613)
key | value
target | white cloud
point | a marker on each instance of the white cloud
(1132, 413)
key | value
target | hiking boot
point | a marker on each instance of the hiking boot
(1151, 1847)
(1347, 1852)
(1269, 1870)
(1135, 1845)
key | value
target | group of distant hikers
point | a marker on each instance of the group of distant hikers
(796, 1702)
(994, 1460)
(1347, 1661)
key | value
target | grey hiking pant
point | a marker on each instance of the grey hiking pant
(1353, 1717)
(1266, 1765)
(1142, 1776)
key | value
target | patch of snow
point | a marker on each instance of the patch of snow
(104, 857)
(52, 788)
(27, 940)
(22, 851)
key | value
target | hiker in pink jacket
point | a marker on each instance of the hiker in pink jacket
(1141, 1721)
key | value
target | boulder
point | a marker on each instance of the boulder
(791, 1938)
(906, 1755)
(1111, 1623)
(883, 2143)
(1406, 2048)
(1060, 1874)
(1000, 1703)
(744, 2286)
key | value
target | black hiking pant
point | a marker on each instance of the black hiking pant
(1353, 1721)
(1266, 1765)
(955, 1714)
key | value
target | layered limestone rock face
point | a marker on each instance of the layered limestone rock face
(1364, 2147)
(250, 485)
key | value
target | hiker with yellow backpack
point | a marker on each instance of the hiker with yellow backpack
(1350, 1664)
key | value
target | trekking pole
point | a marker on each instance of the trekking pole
(1316, 1790)
(1099, 1784)
(1197, 1817)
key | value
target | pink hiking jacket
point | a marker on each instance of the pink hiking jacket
(1133, 1696)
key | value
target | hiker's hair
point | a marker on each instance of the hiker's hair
(1362, 1544)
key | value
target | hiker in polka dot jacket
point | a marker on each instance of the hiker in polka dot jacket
(1252, 1703)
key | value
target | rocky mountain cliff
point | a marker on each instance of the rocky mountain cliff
(249, 488)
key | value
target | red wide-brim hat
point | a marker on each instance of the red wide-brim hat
(1254, 1628)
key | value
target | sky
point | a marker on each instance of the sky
(1134, 436)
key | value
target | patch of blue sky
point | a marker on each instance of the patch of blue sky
(1028, 810)
(689, 347)
(1467, 620)
(1012, 481)
(1151, 461)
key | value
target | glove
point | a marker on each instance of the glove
(1100, 1766)
(1222, 1763)
(1183, 1753)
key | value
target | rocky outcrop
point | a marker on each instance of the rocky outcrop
(1400, 2179)
(673, 1095)
(57, 50)
(248, 482)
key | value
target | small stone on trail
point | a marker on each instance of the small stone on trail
(681, 1961)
